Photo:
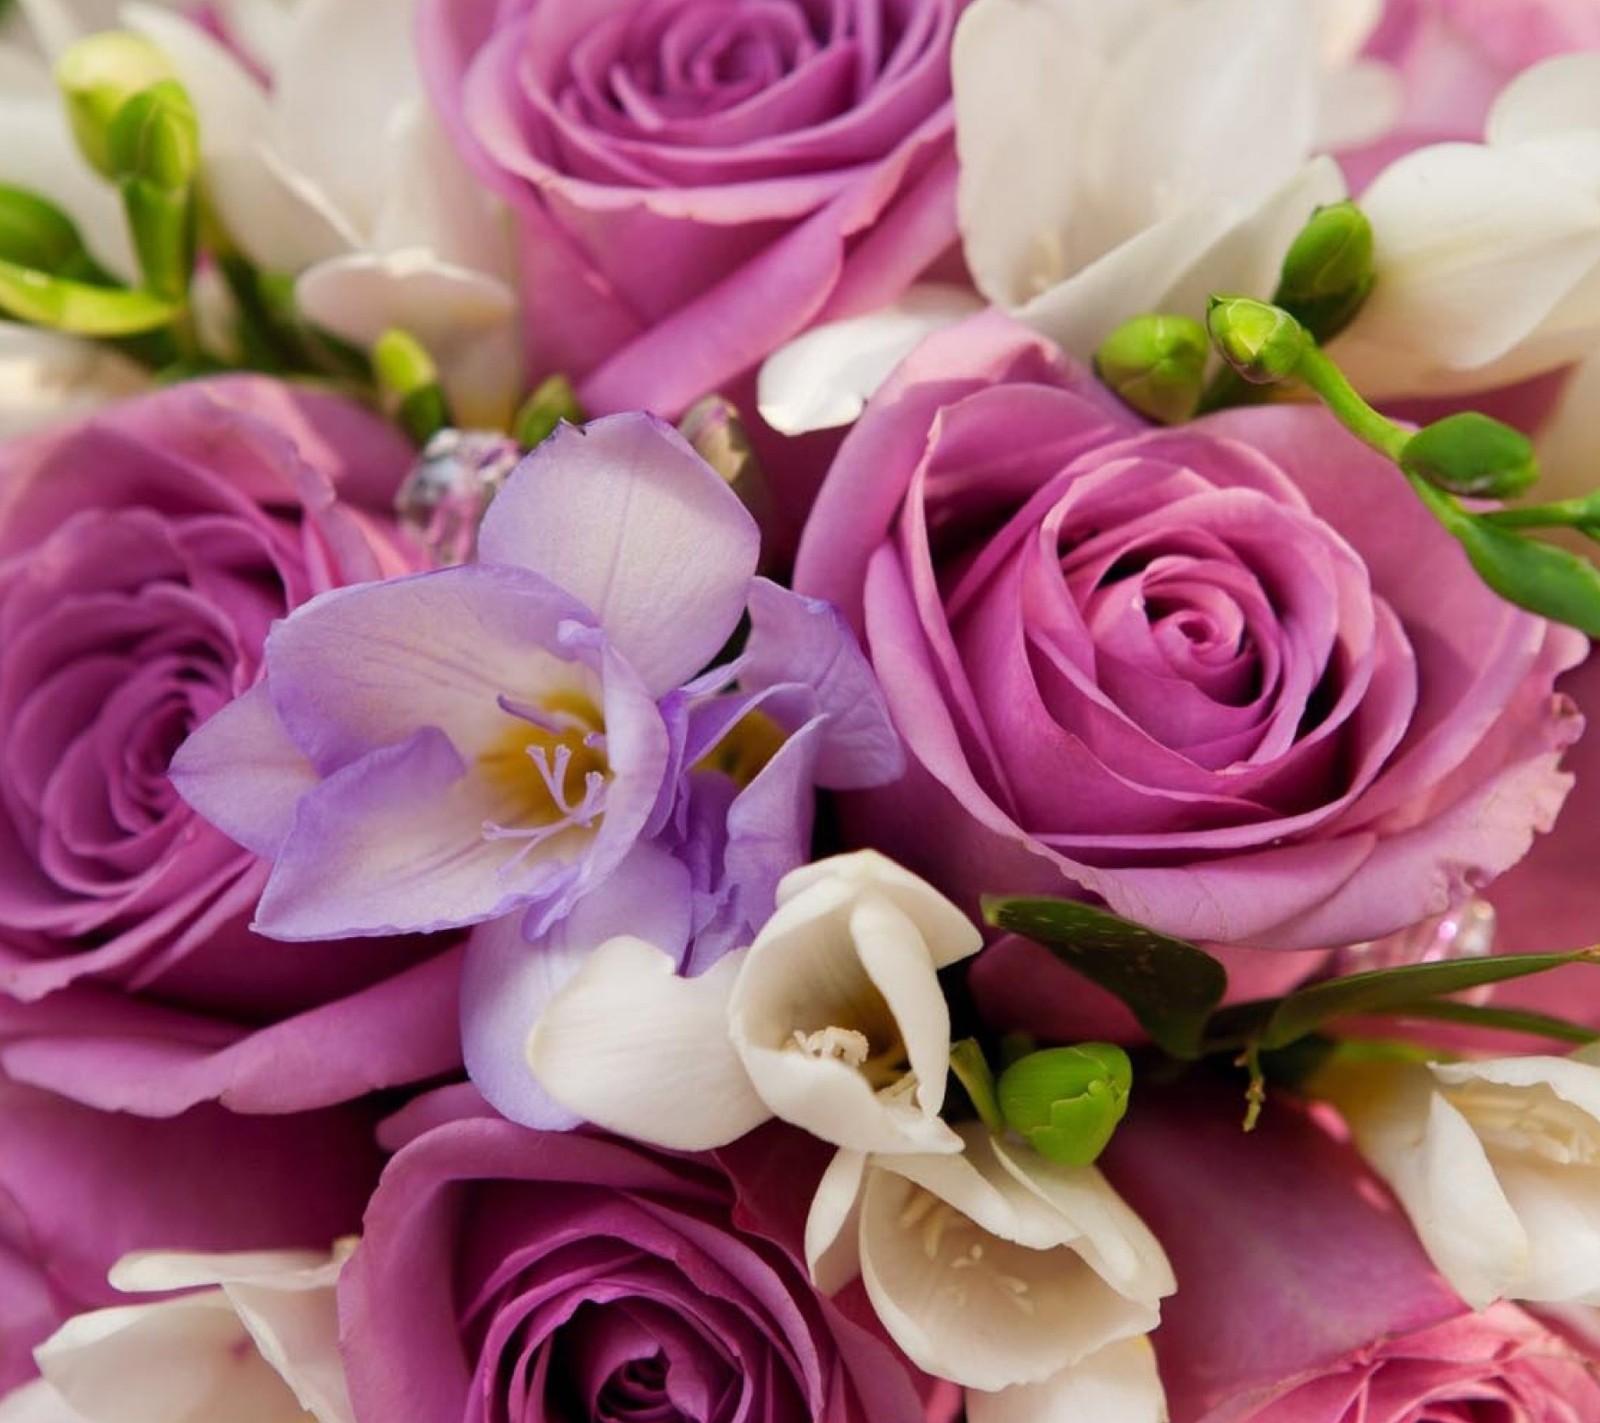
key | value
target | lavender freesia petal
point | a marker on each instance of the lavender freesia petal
(391, 843)
(507, 981)
(629, 520)
(806, 641)
(243, 773)
(368, 666)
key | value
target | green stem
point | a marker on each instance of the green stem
(1351, 411)
(1563, 514)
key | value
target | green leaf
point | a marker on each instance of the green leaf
(36, 233)
(1169, 985)
(1509, 1020)
(1274, 1023)
(77, 307)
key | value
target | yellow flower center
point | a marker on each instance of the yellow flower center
(548, 771)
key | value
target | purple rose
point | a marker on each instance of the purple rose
(1230, 678)
(697, 181)
(143, 555)
(83, 1188)
(513, 1274)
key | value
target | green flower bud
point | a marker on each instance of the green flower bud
(407, 375)
(97, 76)
(155, 138)
(553, 401)
(1067, 1101)
(1156, 364)
(1328, 270)
(1260, 341)
(1473, 455)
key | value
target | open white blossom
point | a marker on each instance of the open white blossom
(1001, 1271)
(1487, 255)
(1496, 1162)
(255, 1340)
(833, 1019)
(351, 188)
(1083, 200)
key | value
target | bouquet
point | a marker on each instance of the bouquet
(748, 711)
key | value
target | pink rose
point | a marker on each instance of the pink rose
(508, 1273)
(697, 181)
(1303, 1295)
(83, 1188)
(144, 553)
(1229, 678)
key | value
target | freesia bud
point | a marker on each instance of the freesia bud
(1156, 365)
(97, 76)
(1328, 270)
(1260, 341)
(1067, 1101)
(720, 437)
(1471, 454)
(155, 137)
(407, 374)
(552, 402)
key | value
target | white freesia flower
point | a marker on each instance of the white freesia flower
(1117, 159)
(352, 188)
(1497, 1163)
(999, 1270)
(1487, 255)
(833, 1019)
(255, 1341)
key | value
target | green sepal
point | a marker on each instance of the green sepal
(1169, 985)
(1328, 270)
(97, 75)
(971, 1069)
(79, 308)
(1472, 454)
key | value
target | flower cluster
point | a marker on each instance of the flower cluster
(747, 711)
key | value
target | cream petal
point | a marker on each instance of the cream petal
(833, 1226)
(824, 378)
(37, 1402)
(1117, 1384)
(631, 1046)
(187, 1360)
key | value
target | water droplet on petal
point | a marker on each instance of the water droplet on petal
(443, 498)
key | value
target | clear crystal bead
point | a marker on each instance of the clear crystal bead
(1465, 932)
(444, 496)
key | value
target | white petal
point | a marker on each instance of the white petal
(949, 934)
(1474, 247)
(297, 1333)
(632, 1047)
(279, 218)
(824, 378)
(157, 1271)
(1571, 1078)
(833, 1226)
(45, 377)
(1024, 76)
(37, 1402)
(1117, 1384)
(1559, 96)
(187, 1360)
(1357, 104)
(975, 1280)
(332, 130)
(1558, 1205)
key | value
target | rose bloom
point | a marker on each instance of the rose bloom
(697, 181)
(83, 1188)
(513, 1274)
(143, 555)
(1304, 1297)
(1231, 678)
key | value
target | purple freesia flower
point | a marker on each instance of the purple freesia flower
(492, 743)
